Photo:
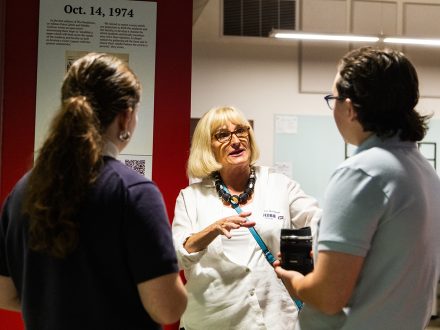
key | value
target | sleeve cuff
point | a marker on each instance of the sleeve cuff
(186, 259)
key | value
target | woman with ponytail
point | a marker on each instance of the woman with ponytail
(85, 241)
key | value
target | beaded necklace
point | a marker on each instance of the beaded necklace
(234, 200)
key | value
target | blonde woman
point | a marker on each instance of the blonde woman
(229, 281)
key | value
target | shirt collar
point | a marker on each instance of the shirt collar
(110, 149)
(375, 141)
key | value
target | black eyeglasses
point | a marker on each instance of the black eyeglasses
(225, 136)
(330, 99)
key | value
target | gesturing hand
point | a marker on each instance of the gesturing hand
(203, 238)
(225, 225)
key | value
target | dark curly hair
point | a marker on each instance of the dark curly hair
(96, 88)
(384, 89)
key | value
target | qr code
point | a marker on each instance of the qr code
(136, 164)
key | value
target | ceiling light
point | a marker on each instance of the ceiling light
(286, 34)
(412, 41)
(292, 34)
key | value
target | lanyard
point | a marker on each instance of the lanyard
(269, 256)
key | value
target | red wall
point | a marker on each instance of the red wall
(171, 109)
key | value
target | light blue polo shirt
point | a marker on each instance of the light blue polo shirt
(383, 203)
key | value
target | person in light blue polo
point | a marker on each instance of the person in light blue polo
(377, 255)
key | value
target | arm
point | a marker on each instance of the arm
(304, 209)
(164, 298)
(8, 295)
(329, 287)
(187, 236)
(199, 241)
(354, 205)
(150, 254)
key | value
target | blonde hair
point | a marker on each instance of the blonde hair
(201, 161)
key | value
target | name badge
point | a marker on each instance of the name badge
(272, 215)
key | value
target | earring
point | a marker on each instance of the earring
(124, 136)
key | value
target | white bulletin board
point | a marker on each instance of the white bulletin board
(315, 149)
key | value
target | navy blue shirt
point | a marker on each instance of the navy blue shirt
(124, 239)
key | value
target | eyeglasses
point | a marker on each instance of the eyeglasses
(330, 99)
(225, 136)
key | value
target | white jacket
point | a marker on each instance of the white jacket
(225, 295)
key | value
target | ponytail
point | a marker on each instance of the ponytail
(95, 90)
(67, 164)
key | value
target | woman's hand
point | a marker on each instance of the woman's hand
(225, 225)
(200, 241)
